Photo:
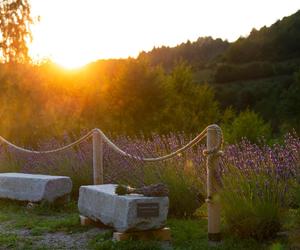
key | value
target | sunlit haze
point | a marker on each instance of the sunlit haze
(73, 32)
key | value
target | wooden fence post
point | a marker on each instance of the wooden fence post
(97, 158)
(213, 205)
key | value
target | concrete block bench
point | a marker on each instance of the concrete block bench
(126, 213)
(33, 187)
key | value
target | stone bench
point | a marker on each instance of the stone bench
(126, 213)
(33, 187)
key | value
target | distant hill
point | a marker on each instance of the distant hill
(259, 72)
(280, 41)
(270, 51)
(198, 53)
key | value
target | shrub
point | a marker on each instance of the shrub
(186, 191)
(252, 203)
(247, 124)
(295, 203)
(185, 175)
(9, 163)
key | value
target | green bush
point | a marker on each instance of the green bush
(9, 163)
(248, 125)
(186, 191)
(296, 202)
(252, 204)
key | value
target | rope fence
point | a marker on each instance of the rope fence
(113, 146)
(214, 143)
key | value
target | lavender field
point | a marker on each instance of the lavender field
(281, 162)
(258, 185)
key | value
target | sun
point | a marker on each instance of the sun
(74, 33)
(66, 54)
(65, 39)
(71, 51)
(71, 61)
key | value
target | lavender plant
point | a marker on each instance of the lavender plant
(185, 175)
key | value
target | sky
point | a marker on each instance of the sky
(75, 32)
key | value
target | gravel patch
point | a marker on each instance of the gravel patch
(56, 240)
(60, 240)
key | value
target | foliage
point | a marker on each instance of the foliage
(289, 108)
(279, 41)
(65, 218)
(185, 174)
(257, 71)
(228, 72)
(253, 70)
(267, 97)
(192, 235)
(252, 203)
(103, 242)
(295, 203)
(131, 100)
(186, 190)
(255, 190)
(187, 234)
(198, 53)
(9, 163)
(15, 31)
(136, 99)
(190, 106)
(161, 91)
(248, 125)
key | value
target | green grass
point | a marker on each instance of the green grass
(192, 235)
(103, 242)
(187, 234)
(40, 219)
(13, 241)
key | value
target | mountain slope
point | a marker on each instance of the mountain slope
(281, 41)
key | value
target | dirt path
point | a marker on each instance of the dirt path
(57, 240)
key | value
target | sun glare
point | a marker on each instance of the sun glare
(74, 33)
(72, 60)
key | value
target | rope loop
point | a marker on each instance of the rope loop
(219, 145)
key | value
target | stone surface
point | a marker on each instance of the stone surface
(99, 202)
(33, 187)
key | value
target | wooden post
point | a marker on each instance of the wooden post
(213, 205)
(97, 158)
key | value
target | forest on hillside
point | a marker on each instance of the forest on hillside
(251, 87)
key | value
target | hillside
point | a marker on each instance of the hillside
(198, 53)
(270, 51)
(280, 41)
(129, 96)
(258, 72)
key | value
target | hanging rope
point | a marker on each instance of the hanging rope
(113, 146)
(24, 150)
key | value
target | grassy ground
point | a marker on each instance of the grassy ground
(49, 227)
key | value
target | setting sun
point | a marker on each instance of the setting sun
(74, 33)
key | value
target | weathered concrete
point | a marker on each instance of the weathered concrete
(99, 202)
(33, 187)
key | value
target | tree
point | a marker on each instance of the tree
(247, 124)
(289, 107)
(15, 33)
(136, 98)
(190, 106)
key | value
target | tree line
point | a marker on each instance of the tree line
(179, 89)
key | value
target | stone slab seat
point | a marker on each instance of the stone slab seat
(34, 187)
(125, 213)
